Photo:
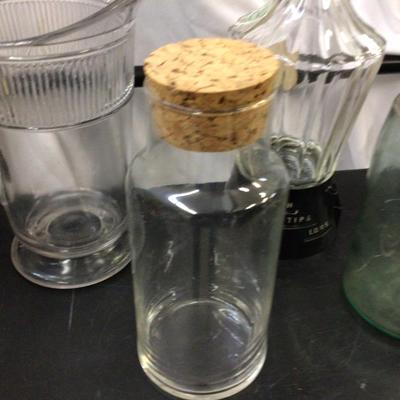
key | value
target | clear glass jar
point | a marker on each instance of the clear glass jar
(63, 62)
(63, 191)
(206, 229)
(372, 277)
(66, 72)
(330, 60)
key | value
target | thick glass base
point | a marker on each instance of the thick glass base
(303, 161)
(76, 223)
(372, 289)
(202, 350)
(71, 273)
(383, 327)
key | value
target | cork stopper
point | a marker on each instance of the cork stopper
(211, 94)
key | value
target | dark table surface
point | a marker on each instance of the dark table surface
(80, 344)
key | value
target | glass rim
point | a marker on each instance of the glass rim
(45, 38)
(65, 55)
(207, 113)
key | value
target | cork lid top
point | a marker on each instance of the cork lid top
(214, 74)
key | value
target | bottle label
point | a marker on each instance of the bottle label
(312, 216)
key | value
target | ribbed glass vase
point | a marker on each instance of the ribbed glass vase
(330, 60)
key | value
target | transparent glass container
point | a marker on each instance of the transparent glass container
(330, 60)
(206, 230)
(251, 20)
(63, 62)
(66, 81)
(372, 276)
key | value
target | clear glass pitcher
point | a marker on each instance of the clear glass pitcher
(330, 60)
(66, 80)
(372, 277)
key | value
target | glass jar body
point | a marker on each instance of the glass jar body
(330, 59)
(64, 62)
(67, 81)
(63, 191)
(372, 276)
(206, 229)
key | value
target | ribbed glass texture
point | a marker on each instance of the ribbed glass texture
(66, 80)
(52, 75)
(330, 59)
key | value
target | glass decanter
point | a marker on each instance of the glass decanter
(330, 60)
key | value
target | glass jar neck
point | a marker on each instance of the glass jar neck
(263, 142)
(170, 165)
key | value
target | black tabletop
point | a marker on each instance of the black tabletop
(80, 344)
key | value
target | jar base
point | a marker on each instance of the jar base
(241, 383)
(216, 334)
(74, 272)
(365, 294)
